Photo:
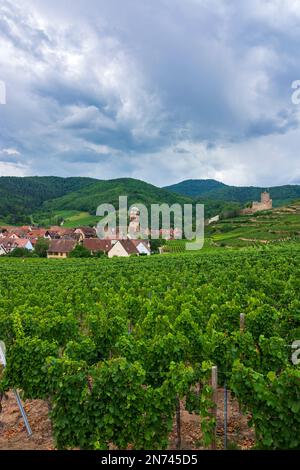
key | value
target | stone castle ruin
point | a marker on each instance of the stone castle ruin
(265, 204)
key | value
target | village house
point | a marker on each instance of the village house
(143, 246)
(36, 233)
(2, 250)
(3, 232)
(85, 232)
(63, 240)
(60, 248)
(14, 235)
(95, 245)
(55, 232)
(9, 244)
(24, 243)
(123, 248)
(51, 235)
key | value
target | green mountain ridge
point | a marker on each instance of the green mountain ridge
(195, 188)
(21, 196)
(47, 198)
(212, 189)
(88, 198)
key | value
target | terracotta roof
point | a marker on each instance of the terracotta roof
(61, 230)
(95, 244)
(22, 242)
(8, 243)
(87, 231)
(18, 232)
(61, 246)
(37, 233)
(52, 234)
(11, 243)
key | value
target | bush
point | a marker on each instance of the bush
(21, 253)
(80, 252)
(100, 254)
(41, 247)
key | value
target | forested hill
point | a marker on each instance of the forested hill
(89, 197)
(214, 190)
(196, 188)
(22, 196)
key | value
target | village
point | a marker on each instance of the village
(62, 241)
(129, 241)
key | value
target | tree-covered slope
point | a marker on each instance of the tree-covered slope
(90, 197)
(22, 196)
(41, 196)
(214, 190)
(279, 194)
(195, 188)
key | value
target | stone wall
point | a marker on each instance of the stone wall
(265, 204)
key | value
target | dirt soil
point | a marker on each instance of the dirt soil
(13, 435)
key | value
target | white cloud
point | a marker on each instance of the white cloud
(9, 169)
(161, 91)
(10, 151)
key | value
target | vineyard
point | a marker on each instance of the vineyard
(113, 346)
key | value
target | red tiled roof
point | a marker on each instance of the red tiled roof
(37, 233)
(95, 244)
(61, 246)
(87, 231)
(61, 230)
(8, 242)
(11, 243)
(22, 242)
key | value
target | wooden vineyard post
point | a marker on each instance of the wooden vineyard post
(242, 322)
(178, 423)
(225, 414)
(214, 384)
(242, 329)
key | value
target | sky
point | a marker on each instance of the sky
(159, 90)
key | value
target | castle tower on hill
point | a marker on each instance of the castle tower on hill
(265, 203)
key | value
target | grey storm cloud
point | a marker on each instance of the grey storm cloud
(162, 90)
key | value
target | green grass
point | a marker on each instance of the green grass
(72, 218)
(80, 219)
(249, 230)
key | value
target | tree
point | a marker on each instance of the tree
(41, 247)
(100, 254)
(156, 243)
(80, 252)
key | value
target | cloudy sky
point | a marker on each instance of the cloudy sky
(161, 90)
